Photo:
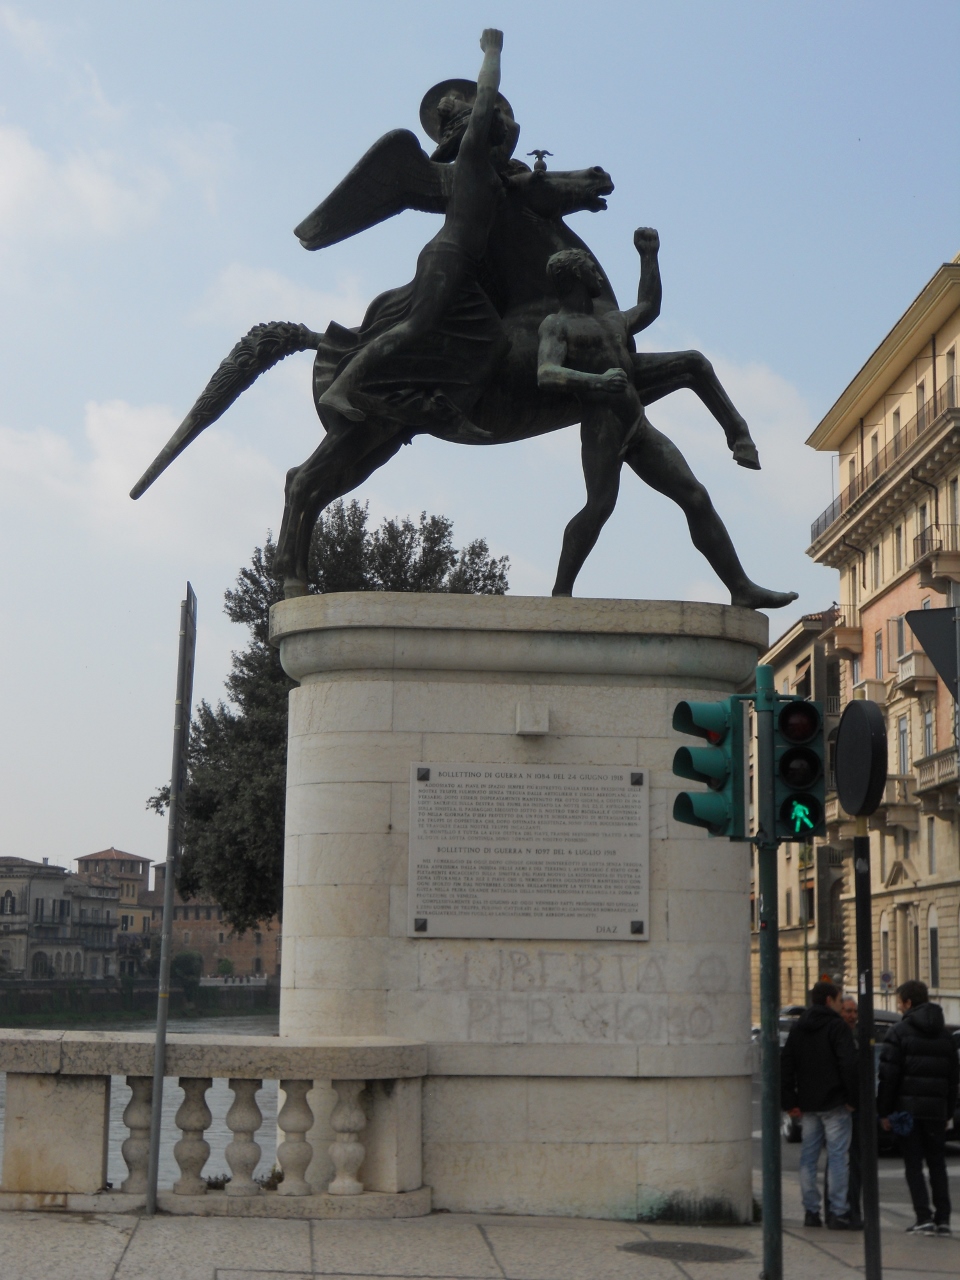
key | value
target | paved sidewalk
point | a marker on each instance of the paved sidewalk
(38, 1246)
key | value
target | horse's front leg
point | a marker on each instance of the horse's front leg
(658, 373)
(343, 460)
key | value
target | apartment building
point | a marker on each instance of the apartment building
(892, 533)
(54, 924)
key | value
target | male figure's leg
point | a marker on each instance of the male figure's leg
(601, 434)
(837, 1127)
(813, 1135)
(912, 1148)
(660, 464)
(933, 1138)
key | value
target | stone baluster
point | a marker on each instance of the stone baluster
(346, 1152)
(136, 1148)
(295, 1153)
(191, 1152)
(243, 1154)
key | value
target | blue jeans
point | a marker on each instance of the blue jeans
(834, 1128)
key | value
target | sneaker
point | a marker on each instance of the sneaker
(922, 1229)
(943, 1229)
(812, 1219)
(837, 1223)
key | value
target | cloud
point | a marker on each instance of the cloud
(29, 37)
(243, 296)
(224, 496)
(89, 191)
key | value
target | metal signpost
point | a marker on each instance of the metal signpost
(861, 764)
(178, 780)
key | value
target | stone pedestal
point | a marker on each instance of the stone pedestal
(593, 1078)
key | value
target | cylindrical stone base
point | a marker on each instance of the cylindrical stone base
(593, 1078)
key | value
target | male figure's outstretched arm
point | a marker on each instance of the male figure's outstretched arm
(650, 291)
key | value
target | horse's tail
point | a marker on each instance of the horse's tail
(263, 347)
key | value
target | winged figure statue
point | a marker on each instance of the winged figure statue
(454, 353)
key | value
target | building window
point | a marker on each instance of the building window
(878, 654)
(209, 913)
(874, 456)
(876, 566)
(807, 905)
(883, 858)
(916, 951)
(921, 407)
(258, 938)
(928, 731)
(898, 547)
(931, 846)
(922, 518)
(220, 937)
(855, 670)
(896, 431)
(933, 941)
(903, 754)
(186, 935)
(124, 923)
(788, 912)
(884, 944)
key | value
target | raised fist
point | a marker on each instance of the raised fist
(491, 39)
(646, 240)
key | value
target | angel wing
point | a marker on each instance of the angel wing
(395, 174)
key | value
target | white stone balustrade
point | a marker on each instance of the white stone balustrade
(57, 1122)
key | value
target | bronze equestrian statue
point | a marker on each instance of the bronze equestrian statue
(456, 353)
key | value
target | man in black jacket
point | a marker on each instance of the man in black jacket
(919, 1074)
(818, 1079)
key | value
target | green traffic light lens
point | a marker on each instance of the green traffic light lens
(799, 721)
(802, 814)
(800, 767)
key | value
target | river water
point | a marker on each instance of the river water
(219, 1099)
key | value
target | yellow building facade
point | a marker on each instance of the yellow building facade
(892, 532)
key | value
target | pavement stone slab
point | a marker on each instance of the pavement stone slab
(194, 1248)
(561, 1252)
(38, 1246)
(415, 1247)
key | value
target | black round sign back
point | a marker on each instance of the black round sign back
(861, 758)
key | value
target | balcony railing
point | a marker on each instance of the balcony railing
(943, 537)
(939, 403)
(57, 1131)
(831, 704)
(899, 790)
(937, 770)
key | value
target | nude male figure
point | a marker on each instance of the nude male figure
(590, 355)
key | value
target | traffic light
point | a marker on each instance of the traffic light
(722, 766)
(798, 778)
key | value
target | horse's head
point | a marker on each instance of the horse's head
(555, 193)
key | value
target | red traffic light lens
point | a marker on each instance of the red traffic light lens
(800, 767)
(799, 721)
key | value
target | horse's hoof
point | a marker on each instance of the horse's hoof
(745, 455)
(294, 587)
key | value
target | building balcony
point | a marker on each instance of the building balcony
(944, 401)
(937, 779)
(915, 674)
(873, 690)
(843, 640)
(936, 553)
(899, 807)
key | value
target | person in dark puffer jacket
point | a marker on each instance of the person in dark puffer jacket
(919, 1073)
(818, 1078)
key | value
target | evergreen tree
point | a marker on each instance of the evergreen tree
(234, 804)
